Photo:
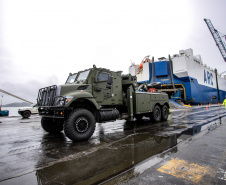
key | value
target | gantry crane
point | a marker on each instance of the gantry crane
(217, 38)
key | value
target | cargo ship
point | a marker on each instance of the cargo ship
(184, 77)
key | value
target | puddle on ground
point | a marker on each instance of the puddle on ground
(116, 154)
(106, 162)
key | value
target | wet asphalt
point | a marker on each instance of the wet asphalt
(188, 148)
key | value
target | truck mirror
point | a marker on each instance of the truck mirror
(110, 80)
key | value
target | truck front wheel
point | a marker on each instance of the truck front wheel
(80, 125)
(52, 125)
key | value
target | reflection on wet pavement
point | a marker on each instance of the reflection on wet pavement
(110, 160)
(116, 148)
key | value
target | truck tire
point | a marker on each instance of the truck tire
(165, 113)
(52, 125)
(26, 114)
(156, 115)
(80, 125)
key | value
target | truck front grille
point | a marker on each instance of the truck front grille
(47, 96)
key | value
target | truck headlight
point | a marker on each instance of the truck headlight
(68, 99)
(63, 101)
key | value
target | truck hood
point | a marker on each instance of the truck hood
(68, 89)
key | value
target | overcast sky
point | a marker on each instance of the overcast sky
(41, 41)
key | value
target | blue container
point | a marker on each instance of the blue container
(4, 113)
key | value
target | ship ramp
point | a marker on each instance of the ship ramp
(178, 105)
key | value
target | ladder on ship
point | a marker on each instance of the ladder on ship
(220, 44)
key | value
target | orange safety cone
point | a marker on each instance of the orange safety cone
(206, 107)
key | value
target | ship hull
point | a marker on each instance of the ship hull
(184, 78)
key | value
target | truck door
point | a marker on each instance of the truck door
(103, 87)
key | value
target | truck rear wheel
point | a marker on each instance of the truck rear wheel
(80, 125)
(165, 113)
(52, 125)
(156, 115)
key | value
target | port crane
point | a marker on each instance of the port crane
(15, 96)
(220, 44)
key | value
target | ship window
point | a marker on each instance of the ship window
(102, 77)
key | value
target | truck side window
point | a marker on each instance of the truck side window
(102, 77)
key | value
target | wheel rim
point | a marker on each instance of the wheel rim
(26, 114)
(165, 112)
(82, 125)
(157, 113)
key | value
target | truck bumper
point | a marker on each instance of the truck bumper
(53, 112)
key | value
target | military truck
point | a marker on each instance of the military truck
(97, 95)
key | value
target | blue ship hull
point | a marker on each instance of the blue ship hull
(184, 78)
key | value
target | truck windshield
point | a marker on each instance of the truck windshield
(71, 78)
(82, 76)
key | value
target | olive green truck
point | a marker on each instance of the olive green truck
(97, 95)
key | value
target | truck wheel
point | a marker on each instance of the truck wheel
(80, 125)
(165, 113)
(52, 125)
(156, 115)
(26, 114)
